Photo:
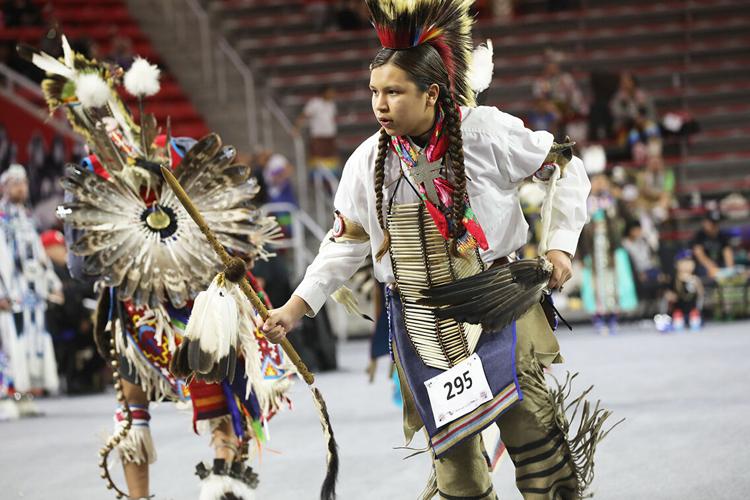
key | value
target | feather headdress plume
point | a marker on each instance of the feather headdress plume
(444, 24)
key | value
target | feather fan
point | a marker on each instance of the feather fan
(493, 298)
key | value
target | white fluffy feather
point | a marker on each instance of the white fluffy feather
(216, 487)
(480, 73)
(9, 410)
(594, 159)
(532, 194)
(142, 79)
(68, 54)
(92, 90)
(214, 321)
(51, 65)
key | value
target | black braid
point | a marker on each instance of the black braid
(383, 142)
(456, 157)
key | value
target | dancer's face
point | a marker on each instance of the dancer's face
(399, 105)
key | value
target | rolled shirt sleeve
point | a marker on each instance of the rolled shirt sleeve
(569, 207)
(333, 266)
(525, 151)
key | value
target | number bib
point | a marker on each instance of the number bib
(458, 391)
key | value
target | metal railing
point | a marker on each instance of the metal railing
(224, 52)
(222, 71)
(325, 185)
(302, 227)
(218, 62)
(227, 81)
(265, 122)
(272, 111)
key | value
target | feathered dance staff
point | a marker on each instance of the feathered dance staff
(129, 232)
(193, 357)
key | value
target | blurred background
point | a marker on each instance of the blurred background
(655, 94)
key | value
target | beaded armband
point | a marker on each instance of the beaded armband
(346, 230)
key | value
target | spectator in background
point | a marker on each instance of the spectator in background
(70, 323)
(52, 170)
(277, 174)
(637, 209)
(350, 15)
(36, 153)
(687, 294)
(7, 150)
(320, 14)
(27, 283)
(604, 85)
(277, 180)
(608, 287)
(657, 184)
(49, 191)
(18, 13)
(711, 247)
(559, 90)
(641, 253)
(319, 114)
(544, 116)
(645, 266)
(634, 116)
(256, 162)
(95, 51)
(121, 51)
(502, 10)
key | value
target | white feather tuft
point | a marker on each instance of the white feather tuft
(216, 487)
(344, 296)
(9, 410)
(480, 74)
(214, 321)
(594, 159)
(51, 65)
(92, 90)
(68, 55)
(532, 194)
(142, 79)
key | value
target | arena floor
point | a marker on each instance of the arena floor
(685, 397)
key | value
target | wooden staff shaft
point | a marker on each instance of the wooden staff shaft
(247, 289)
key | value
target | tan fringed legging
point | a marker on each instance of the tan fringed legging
(529, 429)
